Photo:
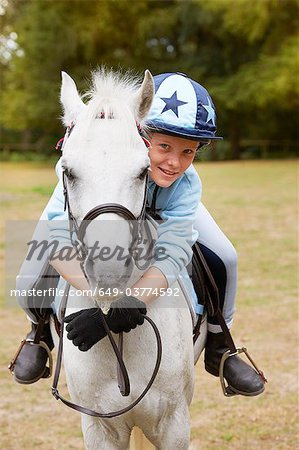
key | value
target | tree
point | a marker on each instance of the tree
(72, 35)
(254, 64)
(244, 52)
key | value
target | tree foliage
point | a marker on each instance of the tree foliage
(244, 52)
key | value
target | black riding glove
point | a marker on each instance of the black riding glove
(85, 328)
(125, 314)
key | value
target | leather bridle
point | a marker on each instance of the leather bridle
(135, 223)
(82, 249)
(114, 208)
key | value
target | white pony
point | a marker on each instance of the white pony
(106, 156)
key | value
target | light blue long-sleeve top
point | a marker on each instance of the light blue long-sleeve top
(176, 205)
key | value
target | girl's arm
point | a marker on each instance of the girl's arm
(147, 288)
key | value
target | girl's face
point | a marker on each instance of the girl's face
(170, 157)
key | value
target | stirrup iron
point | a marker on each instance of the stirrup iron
(225, 387)
(48, 370)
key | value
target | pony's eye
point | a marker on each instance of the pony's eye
(143, 173)
(69, 174)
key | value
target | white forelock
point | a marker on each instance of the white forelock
(113, 84)
(112, 93)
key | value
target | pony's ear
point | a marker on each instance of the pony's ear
(70, 99)
(144, 96)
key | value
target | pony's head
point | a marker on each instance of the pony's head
(105, 161)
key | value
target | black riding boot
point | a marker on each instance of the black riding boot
(241, 378)
(31, 362)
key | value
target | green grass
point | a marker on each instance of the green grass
(41, 190)
(255, 203)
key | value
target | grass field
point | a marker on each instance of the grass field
(255, 203)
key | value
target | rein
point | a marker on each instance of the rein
(124, 383)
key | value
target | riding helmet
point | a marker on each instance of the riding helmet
(183, 108)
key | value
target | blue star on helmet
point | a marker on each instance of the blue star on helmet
(211, 112)
(172, 103)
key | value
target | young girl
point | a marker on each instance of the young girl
(182, 120)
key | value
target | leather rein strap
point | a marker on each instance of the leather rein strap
(122, 366)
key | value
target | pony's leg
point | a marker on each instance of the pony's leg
(101, 435)
(175, 437)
